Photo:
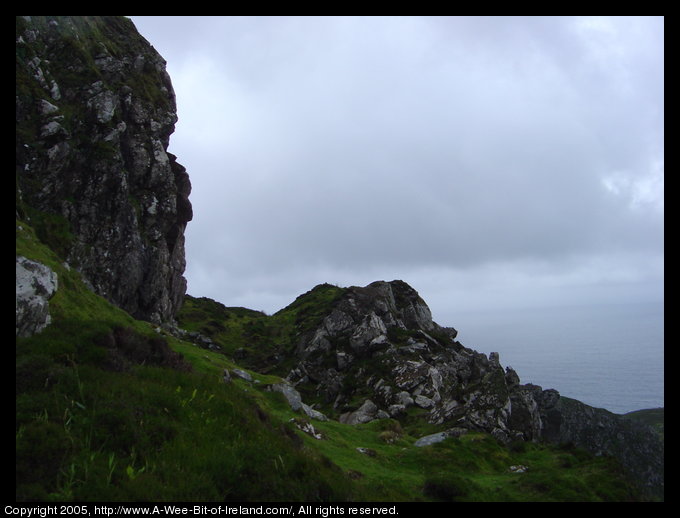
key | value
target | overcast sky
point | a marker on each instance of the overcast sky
(488, 162)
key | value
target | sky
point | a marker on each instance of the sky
(489, 162)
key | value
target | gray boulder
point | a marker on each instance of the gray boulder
(294, 399)
(439, 437)
(364, 414)
(35, 285)
(242, 374)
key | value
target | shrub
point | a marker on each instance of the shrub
(126, 346)
(449, 487)
(389, 437)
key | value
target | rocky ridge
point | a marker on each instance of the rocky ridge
(378, 354)
(94, 111)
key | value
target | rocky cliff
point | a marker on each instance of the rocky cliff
(376, 353)
(94, 112)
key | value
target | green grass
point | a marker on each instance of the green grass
(100, 416)
(260, 341)
(89, 428)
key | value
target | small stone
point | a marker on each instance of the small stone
(367, 451)
(243, 375)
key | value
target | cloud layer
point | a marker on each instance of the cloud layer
(486, 161)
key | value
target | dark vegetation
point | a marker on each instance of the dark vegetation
(653, 417)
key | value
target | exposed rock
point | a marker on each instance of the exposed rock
(636, 445)
(35, 285)
(242, 374)
(379, 343)
(367, 451)
(424, 402)
(404, 398)
(94, 112)
(295, 401)
(307, 428)
(439, 437)
(396, 410)
(292, 396)
(312, 413)
(364, 414)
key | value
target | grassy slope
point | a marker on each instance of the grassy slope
(85, 431)
(474, 467)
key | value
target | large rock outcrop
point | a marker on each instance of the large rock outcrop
(94, 111)
(379, 344)
(377, 353)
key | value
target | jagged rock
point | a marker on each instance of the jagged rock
(307, 428)
(637, 446)
(369, 334)
(511, 377)
(424, 402)
(93, 127)
(35, 285)
(381, 338)
(494, 359)
(367, 412)
(404, 398)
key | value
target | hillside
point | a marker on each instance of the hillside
(359, 355)
(127, 389)
(110, 408)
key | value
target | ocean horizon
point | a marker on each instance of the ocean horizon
(607, 356)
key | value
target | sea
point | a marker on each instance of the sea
(607, 356)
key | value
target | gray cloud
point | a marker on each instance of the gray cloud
(475, 156)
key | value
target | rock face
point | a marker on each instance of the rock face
(94, 111)
(377, 353)
(36, 284)
(379, 343)
(636, 445)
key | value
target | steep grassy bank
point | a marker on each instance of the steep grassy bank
(107, 410)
